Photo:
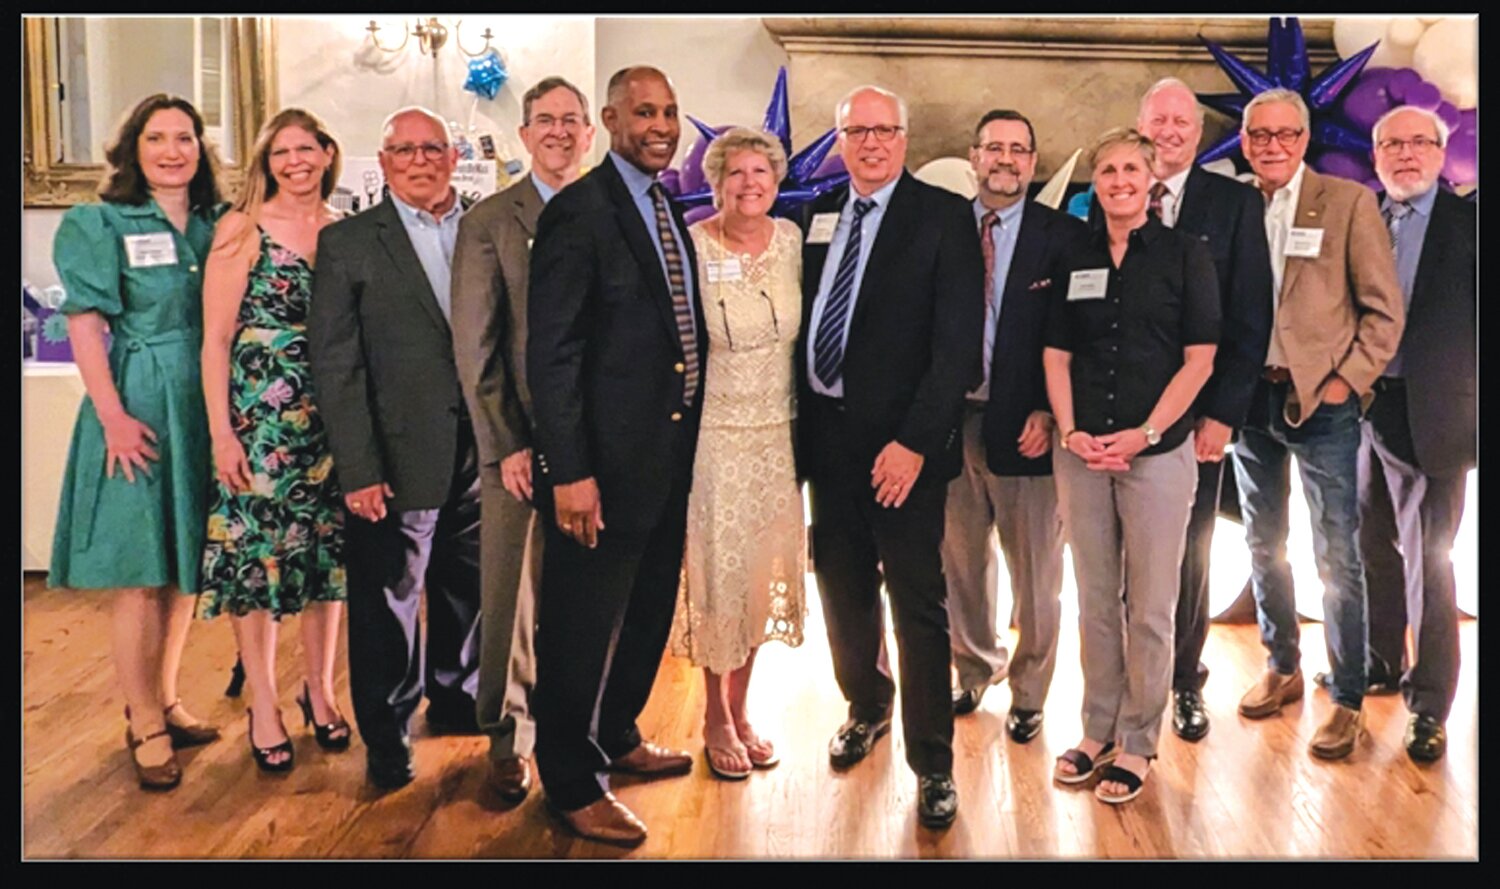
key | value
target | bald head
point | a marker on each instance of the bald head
(619, 82)
(410, 112)
(1172, 119)
(641, 116)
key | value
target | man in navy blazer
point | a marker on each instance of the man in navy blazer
(1228, 217)
(1419, 432)
(1006, 485)
(892, 309)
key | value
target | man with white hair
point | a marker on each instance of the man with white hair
(403, 446)
(893, 316)
(1419, 432)
(1228, 217)
(1337, 321)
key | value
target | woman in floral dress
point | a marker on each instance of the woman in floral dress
(275, 529)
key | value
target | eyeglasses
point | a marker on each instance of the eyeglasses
(1262, 138)
(1419, 145)
(402, 155)
(547, 121)
(1016, 149)
(743, 346)
(882, 133)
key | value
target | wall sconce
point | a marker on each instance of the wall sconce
(431, 36)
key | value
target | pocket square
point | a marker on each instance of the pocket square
(1040, 285)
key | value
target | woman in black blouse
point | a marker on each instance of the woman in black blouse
(1128, 348)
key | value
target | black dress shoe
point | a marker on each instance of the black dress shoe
(967, 701)
(854, 741)
(1426, 739)
(937, 800)
(1023, 725)
(390, 767)
(456, 719)
(1380, 685)
(1189, 719)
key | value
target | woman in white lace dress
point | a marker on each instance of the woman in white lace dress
(746, 549)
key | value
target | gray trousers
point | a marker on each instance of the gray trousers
(1023, 511)
(510, 571)
(1127, 531)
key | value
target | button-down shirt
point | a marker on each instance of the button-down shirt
(1171, 199)
(1128, 345)
(1413, 234)
(546, 191)
(638, 183)
(1003, 236)
(869, 228)
(433, 239)
(1281, 213)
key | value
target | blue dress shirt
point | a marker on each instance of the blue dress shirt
(546, 191)
(1413, 234)
(638, 183)
(433, 239)
(1003, 236)
(869, 228)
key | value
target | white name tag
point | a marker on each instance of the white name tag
(146, 251)
(727, 270)
(1307, 242)
(1088, 284)
(821, 230)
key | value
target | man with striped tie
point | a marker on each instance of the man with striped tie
(614, 358)
(893, 305)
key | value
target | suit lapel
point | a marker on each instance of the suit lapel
(897, 227)
(1030, 244)
(1309, 215)
(403, 255)
(528, 207)
(1192, 206)
(641, 245)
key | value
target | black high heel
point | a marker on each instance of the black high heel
(324, 733)
(263, 754)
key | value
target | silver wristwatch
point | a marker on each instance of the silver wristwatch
(1153, 438)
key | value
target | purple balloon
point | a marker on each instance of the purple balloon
(1449, 114)
(1402, 79)
(832, 165)
(1381, 76)
(698, 213)
(671, 180)
(1369, 99)
(1345, 165)
(1424, 95)
(692, 165)
(1462, 164)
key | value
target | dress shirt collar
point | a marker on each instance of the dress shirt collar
(412, 214)
(1147, 233)
(542, 188)
(1422, 203)
(637, 181)
(1175, 183)
(881, 196)
(1009, 218)
(1292, 190)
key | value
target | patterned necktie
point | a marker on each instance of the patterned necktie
(1395, 215)
(682, 310)
(987, 247)
(1157, 192)
(828, 347)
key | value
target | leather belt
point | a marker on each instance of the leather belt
(1276, 375)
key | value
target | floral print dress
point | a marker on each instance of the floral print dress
(279, 545)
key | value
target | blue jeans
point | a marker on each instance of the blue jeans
(1327, 449)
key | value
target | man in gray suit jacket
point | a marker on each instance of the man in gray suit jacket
(490, 266)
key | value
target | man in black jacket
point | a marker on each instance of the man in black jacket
(893, 307)
(1228, 217)
(1006, 484)
(614, 361)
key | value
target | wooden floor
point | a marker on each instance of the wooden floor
(1249, 790)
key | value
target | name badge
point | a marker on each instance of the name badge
(821, 230)
(727, 270)
(1306, 242)
(146, 251)
(1088, 284)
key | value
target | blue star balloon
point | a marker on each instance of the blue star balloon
(803, 181)
(1287, 67)
(486, 75)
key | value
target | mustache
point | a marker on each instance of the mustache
(1008, 168)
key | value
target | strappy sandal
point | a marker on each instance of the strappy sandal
(1133, 783)
(1085, 764)
(163, 776)
(327, 734)
(263, 754)
(770, 760)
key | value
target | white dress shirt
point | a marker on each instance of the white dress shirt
(1281, 213)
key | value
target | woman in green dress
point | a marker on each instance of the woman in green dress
(275, 528)
(134, 497)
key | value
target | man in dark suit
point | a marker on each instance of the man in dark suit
(1006, 484)
(491, 264)
(614, 361)
(1419, 434)
(893, 308)
(403, 447)
(1229, 217)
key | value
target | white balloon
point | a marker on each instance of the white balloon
(952, 173)
(1405, 32)
(1352, 34)
(1446, 58)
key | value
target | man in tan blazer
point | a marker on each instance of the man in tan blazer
(1338, 318)
(491, 264)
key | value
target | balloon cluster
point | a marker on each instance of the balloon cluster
(1377, 91)
(486, 75)
(810, 172)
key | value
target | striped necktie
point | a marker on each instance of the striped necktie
(1158, 191)
(682, 310)
(1395, 215)
(828, 347)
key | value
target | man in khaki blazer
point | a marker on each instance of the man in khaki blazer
(1338, 319)
(491, 264)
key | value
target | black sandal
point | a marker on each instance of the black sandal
(1085, 764)
(1133, 783)
(323, 732)
(263, 754)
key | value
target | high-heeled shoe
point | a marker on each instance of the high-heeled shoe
(263, 754)
(163, 776)
(324, 732)
(189, 735)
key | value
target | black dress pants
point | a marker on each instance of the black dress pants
(1188, 671)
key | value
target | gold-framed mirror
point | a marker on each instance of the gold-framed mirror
(228, 69)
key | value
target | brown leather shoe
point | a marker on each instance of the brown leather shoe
(1270, 694)
(607, 821)
(649, 759)
(511, 777)
(1337, 736)
(163, 776)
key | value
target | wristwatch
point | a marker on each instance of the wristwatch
(1153, 438)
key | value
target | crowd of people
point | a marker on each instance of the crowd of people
(579, 426)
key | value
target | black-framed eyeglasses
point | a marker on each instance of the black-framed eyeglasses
(729, 334)
(882, 133)
(1419, 145)
(402, 155)
(1016, 149)
(1261, 138)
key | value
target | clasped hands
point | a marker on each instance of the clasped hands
(1107, 453)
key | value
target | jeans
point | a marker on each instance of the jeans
(1326, 446)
